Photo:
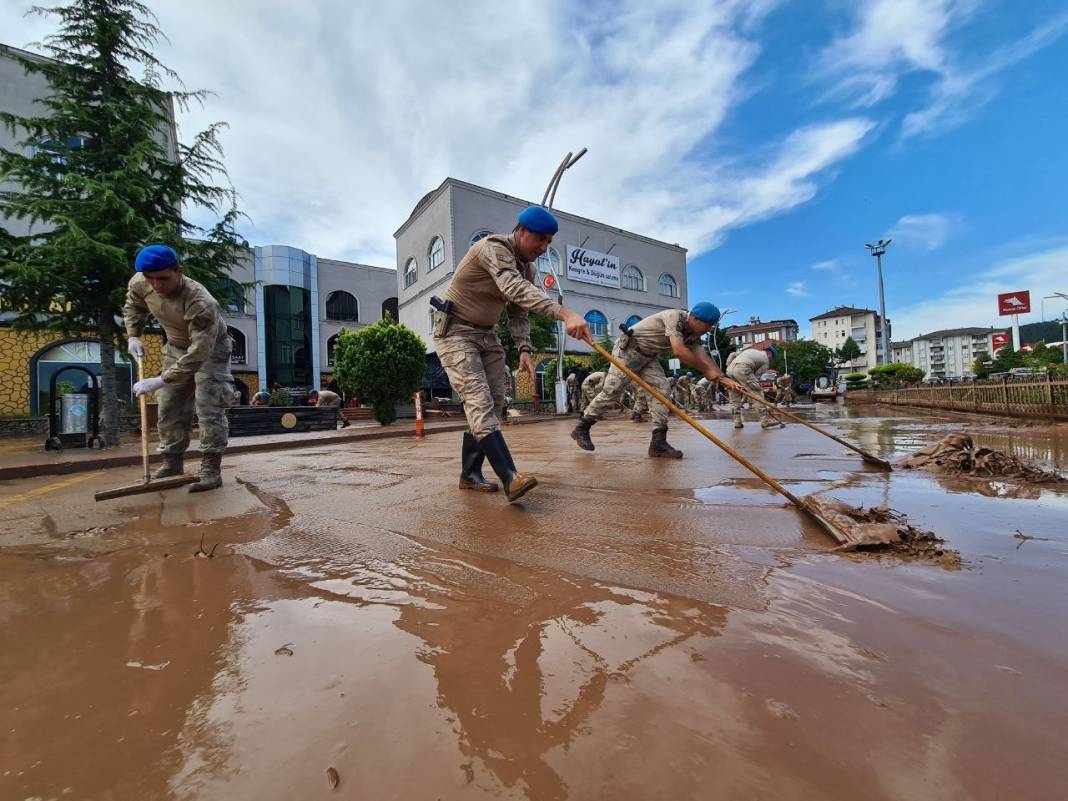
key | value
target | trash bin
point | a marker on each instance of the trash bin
(74, 413)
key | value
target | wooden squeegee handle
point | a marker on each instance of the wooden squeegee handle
(804, 422)
(752, 468)
(143, 403)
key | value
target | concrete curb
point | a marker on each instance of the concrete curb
(127, 460)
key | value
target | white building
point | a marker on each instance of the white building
(833, 328)
(950, 353)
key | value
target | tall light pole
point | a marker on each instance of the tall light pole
(711, 342)
(877, 250)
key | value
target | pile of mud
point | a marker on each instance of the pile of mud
(956, 454)
(882, 529)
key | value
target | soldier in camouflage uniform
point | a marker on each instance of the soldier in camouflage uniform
(745, 367)
(498, 271)
(196, 361)
(640, 410)
(675, 330)
(591, 387)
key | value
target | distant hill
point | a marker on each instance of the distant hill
(1040, 332)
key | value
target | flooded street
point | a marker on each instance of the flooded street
(635, 628)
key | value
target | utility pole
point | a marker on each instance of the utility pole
(877, 250)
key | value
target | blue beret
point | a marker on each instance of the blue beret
(539, 220)
(153, 258)
(772, 351)
(706, 313)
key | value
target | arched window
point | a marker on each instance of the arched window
(549, 258)
(634, 319)
(342, 306)
(436, 254)
(331, 345)
(389, 309)
(633, 278)
(233, 297)
(598, 323)
(480, 234)
(409, 273)
(238, 353)
(668, 286)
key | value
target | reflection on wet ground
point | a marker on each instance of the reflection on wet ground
(636, 629)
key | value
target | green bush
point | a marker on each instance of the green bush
(856, 381)
(570, 363)
(383, 363)
(280, 398)
(894, 374)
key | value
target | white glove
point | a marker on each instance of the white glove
(136, 347)
(147, 386)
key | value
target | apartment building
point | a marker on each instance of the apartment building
(949, 353)
(757, 330)
(834, 327)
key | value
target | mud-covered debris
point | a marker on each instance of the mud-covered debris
(333, 777)
(881, 529)
(956, 454)
(284, 650)
(781, 710)
(143, 666)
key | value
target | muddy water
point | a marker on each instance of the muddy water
(635, 629)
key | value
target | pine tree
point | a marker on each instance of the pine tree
(99, 174)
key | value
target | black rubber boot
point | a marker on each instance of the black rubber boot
(659, 448)
(210, 473)
(471, 473)
(581, 434)
(173, 465)
(516, 485)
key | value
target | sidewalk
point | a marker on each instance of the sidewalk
(25, 457)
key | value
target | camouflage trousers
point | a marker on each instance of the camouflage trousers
(209, 393)
(648, 367)
(748, 379)
(474, 360)
(589, 393)
(641, 401)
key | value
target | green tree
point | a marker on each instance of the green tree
(848, 351)
(570, 363)
(983, 366)
(856, 380)
(1007, 359)
(807, 359)
(542, 336)
(383, 363)
(724, 343)
(95, 177)
(1043, 357)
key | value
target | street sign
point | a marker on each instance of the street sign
(549, 281)
(998, 341)
(674, 364)
(1014, 303)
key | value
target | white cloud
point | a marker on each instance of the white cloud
(891, 38)
(827, 266)
(340, 119)
(797, 289)
(925, 231)
(975, 301)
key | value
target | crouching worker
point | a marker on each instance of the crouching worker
(745, 367)
(196, 361)
(497, 271)
(675, 331)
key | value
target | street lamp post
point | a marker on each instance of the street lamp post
(712, 342)
(877, 250)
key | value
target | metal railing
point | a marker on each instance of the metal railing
(1023, 396)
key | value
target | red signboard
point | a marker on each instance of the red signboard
(549, 281)
(998, 341)
(1014, 303)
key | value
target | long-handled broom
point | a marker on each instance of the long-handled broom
(870, 458)
(146, 484)
(805, 506)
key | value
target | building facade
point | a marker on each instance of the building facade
(834, 327)
(950, 353)
(609, 275)
(757, 331)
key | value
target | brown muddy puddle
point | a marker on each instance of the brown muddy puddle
(636, 630)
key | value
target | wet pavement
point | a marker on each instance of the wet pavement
(634, 629)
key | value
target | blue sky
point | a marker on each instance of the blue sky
(772, 138)
(980, 192)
